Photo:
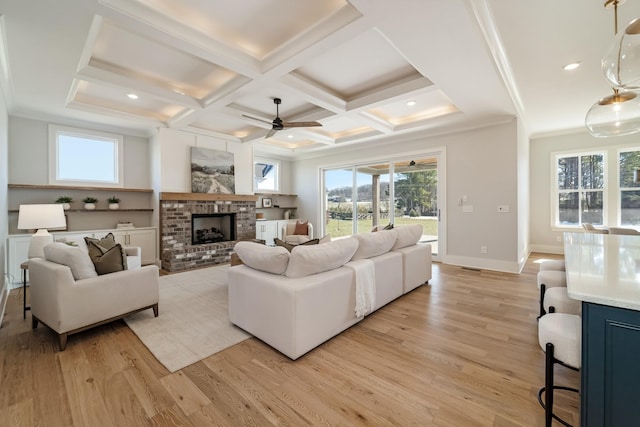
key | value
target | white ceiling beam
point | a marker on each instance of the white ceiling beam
(398, 90)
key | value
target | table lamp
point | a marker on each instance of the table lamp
(40, 217)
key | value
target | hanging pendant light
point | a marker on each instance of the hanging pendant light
(619, 114)
(621, 65)
(615, 115)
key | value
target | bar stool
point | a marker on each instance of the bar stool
(560, 336)
(549, 279)
(557, 300)
(555, 265)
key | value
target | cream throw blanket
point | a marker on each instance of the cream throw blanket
(365, 285)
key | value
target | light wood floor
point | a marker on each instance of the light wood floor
(460, 352)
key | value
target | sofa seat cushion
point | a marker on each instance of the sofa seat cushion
(407, 235)
(374, 244)
(77, 259)
(270, 259)
(307, 260)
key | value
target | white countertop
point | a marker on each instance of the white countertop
(603, 269)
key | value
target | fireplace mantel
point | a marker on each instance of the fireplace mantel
(208, 197)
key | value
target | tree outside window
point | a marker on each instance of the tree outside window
(580, 189)
(629, 188)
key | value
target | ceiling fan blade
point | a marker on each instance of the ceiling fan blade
(255, 118)
(300, 124)
(270, 134)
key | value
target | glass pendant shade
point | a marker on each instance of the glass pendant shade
(621, 65)
(615, 115)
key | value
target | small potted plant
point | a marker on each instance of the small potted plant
(113, 202)
(66, 202)
(89, 203)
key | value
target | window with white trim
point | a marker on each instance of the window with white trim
(266, 176)
(85, 157)
(629, 184)
(580, 189)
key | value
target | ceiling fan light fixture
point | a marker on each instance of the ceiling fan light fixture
(615, 115)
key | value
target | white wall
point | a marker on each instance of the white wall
(172, 149)
(481, 164)
(29, 148)
(544, 238)
(524, 206)
(4, 180)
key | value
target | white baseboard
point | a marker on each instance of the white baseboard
(547, 249)
(483, 264)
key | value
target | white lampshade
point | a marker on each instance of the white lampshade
(40, 217)
(615, 115)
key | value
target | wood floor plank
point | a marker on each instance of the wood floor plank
(461, 351)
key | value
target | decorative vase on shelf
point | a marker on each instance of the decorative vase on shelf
(89, 206)
(66, 206)
(114, 206)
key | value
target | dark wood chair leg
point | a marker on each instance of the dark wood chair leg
(34, 322)
(63, 341)
(155, 310)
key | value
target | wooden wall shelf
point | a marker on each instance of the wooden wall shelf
(207, 197)
(67, 187)
(97, 210)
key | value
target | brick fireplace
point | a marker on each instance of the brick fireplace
(177, 253)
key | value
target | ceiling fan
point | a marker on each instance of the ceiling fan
(277, 123)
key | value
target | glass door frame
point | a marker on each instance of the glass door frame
(438, 153)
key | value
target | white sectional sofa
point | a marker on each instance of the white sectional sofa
(296, 301)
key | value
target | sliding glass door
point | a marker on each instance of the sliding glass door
(360, 197)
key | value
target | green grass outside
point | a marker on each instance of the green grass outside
(340, 228)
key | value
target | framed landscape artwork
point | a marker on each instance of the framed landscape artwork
(212, 171)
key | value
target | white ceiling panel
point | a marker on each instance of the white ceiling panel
(350, 65)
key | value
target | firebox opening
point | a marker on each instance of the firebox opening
(212, 228)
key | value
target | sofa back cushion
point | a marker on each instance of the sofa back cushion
(271, 259)
(407, 235)
(374, 244)
(307, 260)
(77, 259)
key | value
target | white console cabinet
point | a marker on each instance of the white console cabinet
(270, 229)
(18, 246)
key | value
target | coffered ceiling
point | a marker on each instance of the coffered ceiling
(366, 70)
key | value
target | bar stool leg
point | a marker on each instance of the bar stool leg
(543, 288)
(548, 386)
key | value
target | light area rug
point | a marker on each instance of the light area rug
(193, 322)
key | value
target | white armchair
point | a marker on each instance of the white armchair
(67, 305)
(288, 235)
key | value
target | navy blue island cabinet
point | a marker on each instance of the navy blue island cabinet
(610, 374)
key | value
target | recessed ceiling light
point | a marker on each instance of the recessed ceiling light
(290, 136)
(132, 96)
(571, 66)
(411, 103)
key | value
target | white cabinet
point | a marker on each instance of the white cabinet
(18, 246)
(17, 253)
(145, 238)
(267, 231)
